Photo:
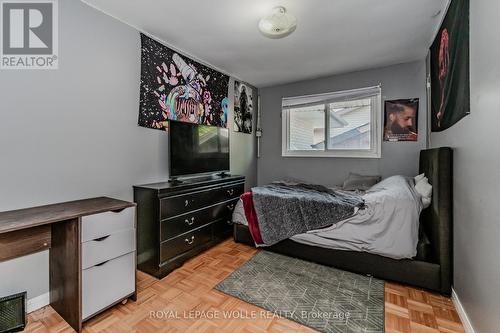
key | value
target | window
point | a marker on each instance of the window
(339, 124)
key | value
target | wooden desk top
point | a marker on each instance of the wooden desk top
(31, 217)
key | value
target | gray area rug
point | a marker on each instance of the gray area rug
(323, 298)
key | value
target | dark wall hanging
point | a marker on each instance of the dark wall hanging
(243, 107)
(450, 86)
(174, 87)
(401, 120)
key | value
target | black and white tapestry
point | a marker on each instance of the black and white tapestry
(243, 107)
(174, 87)
(450, 85)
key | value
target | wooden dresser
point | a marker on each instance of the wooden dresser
(92, 252)
(176, 221)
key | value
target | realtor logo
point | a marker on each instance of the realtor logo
(29, 34)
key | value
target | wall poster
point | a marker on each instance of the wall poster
(243, 107)
(174, 87)
(401, 120)
(449, 55)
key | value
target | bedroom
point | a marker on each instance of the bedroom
(94, 121)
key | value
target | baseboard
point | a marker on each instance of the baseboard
(461, 313)
(38, 302)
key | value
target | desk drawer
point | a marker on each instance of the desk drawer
(177, 205)
(106, 284)
(108, 247)
(22, 242)
(176, 226)
(104, 224)
(184, 243)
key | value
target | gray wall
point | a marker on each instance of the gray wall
(72, 133)
(477, 176)
(243, 146)
(400, 81)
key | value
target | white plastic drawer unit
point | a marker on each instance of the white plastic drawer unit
(107, 283)
(107, 247)
(104, 224)
(108, 259)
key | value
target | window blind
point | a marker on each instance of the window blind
(320, 99)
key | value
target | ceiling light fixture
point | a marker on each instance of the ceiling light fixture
(278, 24)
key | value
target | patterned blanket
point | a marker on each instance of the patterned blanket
(282, 210)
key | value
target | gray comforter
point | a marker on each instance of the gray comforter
(284, 210)
(388, 225)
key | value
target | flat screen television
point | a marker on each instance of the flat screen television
(196, 149)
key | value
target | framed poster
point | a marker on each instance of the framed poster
(401, 120)
(450, 78)
(174, 87)
(243, 107)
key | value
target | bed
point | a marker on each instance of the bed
(430, 269)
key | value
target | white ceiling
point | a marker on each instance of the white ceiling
(332, 36)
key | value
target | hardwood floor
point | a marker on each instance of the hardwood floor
(190, 289)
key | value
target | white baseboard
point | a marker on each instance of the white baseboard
(461, 313)
(38, 302)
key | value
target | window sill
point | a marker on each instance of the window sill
(336, 154)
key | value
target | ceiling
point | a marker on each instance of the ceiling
(332, 36)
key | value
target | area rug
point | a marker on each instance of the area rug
(323, 298)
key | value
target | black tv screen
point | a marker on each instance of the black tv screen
(197, 149)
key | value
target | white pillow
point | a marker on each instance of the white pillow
(425, 190)
(426, 202)
(419, 178)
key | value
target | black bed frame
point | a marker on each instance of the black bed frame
(434, 274)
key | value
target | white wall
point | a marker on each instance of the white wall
(72, 133)
(399, 81)
(477, 176)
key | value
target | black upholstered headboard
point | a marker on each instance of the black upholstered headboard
(437, 220)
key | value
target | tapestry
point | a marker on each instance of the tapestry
(243, 107)
(174, 87)
(401, 120)
(450, 85)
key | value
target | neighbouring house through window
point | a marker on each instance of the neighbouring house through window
(339, 124)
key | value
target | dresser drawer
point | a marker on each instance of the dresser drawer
(176, 226)
(104, 224)
(106, 284)
(108, 247)
(233, 191)
(223, 229)
(174, 247)
(177, 205)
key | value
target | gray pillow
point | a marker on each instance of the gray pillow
(360, 182)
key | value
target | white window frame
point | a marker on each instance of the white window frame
(374, 93)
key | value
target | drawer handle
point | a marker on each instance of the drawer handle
(230, 192)
(189, 222)
(100, 239)
(102, 263)
(189, 241)
(229, 222)
(186, 203)
(230, 207)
